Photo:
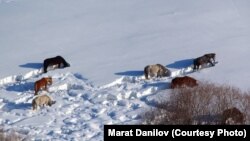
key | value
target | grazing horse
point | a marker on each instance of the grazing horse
(42, 101)
(204, 60)
(156, 70)
(211, 56)
(58, 60)
(42, 83)
(232, 116)
(186, 81)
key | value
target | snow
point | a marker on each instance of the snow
(108, 44)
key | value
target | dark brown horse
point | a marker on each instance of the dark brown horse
(232, 116)
(203, 60)
(58, 60)
(180, 82)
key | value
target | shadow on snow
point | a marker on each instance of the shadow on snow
(32, 65)
(21, 87)
(131, 73)
(181, 64)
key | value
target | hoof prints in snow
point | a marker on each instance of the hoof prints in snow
(80, 108)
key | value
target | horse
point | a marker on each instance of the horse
(42, 101)
(156, 70)
(180, 82)
(58, 60)
(203, 60)
(42, 83)
(232, 116)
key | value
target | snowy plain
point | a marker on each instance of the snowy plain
(108, 44)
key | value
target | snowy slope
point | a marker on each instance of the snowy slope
(120, 36)
(81, 109)
(108, 43)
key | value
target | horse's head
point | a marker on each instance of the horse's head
(51, 103)
(167, 73)
(49, 80)
(67, 65)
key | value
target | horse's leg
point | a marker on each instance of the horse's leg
(194, 67)
(35, 89)
(35, 92)
(45, 87)
(34, 107)
(146, 75)
(197, 66)
(58, 65)
(45, 68)
(211, 62)
(158, 75)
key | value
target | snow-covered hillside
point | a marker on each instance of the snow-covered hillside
(81, 108)
(108, 44)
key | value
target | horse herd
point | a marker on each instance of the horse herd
(42, 84)
(150, 71)
(229, 116)
(158, 70)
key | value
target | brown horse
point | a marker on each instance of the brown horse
(207, 58)
(185, 81)
(232, 116)
(58, 60)
(42, 84)
(156, 70)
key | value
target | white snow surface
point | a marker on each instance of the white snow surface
(108, 44)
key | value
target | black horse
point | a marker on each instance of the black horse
(58, 60)
(205, 59)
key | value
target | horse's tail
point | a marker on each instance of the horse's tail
(36, 88)
(146, 72)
